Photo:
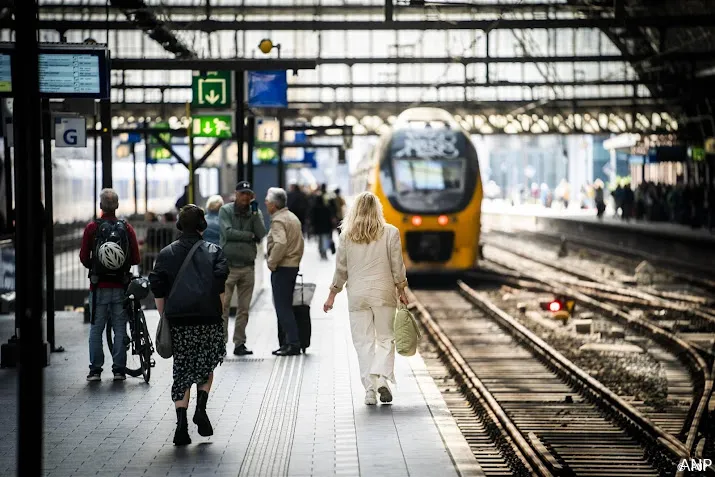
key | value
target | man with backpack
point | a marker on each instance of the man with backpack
(109, 249)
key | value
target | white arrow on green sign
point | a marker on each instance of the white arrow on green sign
(211, 126)
(211, 90)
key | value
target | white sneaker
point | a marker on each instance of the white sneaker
(370, 398)
(384, 389)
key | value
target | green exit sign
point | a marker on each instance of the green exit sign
(211, 90)
(212, 126)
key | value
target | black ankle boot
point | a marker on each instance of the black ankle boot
(181, 436)
(201, 419)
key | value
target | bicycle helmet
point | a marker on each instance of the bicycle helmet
(111, 255)
(138, 288)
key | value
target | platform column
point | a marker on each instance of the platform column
(29, 241)
(105, 116)
(240, 115)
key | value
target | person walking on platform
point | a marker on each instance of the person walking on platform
(298, 204)
(599, 198)
(369, 260)
(192, 305)
(322, 219)
(285, 250)
(212, 234)
(109, 249)
(339, 202)
(241, 229)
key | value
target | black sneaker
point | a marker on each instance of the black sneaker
(241, 350)
(94, 376)
(120, 376)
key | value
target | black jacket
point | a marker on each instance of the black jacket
(196, 299)
(321, 216)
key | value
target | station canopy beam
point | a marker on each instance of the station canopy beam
(225, 64)
(446, 84)
(142, 17)
(237, 8)
(617, 105)
(660, 21)
(212, 65)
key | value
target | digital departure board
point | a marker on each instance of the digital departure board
(72, 73)
(65, 71)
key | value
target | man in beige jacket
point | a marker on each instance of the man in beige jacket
(285, 250)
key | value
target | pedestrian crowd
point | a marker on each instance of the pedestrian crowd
(683, 204)
(194, 275)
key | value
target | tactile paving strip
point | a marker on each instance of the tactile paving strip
(269, 451)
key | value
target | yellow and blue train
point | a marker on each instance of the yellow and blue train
(425, 172)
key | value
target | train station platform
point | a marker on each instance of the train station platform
(654, 241)
(272, 416)
(587, 217)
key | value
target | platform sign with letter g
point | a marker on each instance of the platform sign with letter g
(70, 132)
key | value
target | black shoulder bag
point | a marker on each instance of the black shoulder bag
(163, 332)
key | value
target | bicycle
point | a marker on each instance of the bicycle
(139, 339)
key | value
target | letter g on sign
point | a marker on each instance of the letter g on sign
(70, 137)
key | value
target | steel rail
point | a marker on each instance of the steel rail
(673, 265)
(524, 450)
(587, 384)
(598, 284)
(700, 367)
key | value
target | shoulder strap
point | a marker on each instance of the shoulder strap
(387, 242)
(186, 262)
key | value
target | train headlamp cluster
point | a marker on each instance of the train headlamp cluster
(441, 220)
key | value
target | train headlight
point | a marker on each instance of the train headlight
(416, 220)
(442, 220)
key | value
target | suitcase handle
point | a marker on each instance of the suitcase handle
(302, 288)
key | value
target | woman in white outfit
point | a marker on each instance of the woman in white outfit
(369, 259)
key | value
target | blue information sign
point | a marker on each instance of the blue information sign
(267, 89)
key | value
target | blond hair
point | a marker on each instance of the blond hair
(365, 221)
(214, 203)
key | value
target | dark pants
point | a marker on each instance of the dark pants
(283, 284)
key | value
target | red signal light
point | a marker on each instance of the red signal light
(416, 220)
(442, 220)
(554, 306)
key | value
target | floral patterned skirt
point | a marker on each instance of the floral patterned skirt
(198, 349)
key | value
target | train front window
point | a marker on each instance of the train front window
(428, 171)
(428, 175)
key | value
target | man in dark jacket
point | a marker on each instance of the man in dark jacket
(241, 228)
(192, 305)
(107, 290)
(322, 221)
(298, 204)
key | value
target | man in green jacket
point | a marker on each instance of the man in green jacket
(241, 229)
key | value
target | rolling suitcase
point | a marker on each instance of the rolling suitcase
(302, 296)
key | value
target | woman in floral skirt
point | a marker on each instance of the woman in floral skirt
(192, 307)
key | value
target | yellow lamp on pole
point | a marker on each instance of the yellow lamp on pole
(266, 45)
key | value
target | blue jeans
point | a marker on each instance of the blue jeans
(109, 302)
(283, 283)
(324, 243)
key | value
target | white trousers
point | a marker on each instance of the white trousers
(374, 339)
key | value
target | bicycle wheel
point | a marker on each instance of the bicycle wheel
(110, 338)
(145, 346)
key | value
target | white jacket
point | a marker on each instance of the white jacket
(373, 272)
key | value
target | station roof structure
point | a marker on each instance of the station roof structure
(513, 66)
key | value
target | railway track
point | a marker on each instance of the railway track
(692, 411)
(698, 308)
(698, 275)
(546, 415)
